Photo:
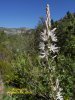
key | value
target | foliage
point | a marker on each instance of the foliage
(21, 68)
(66, 58)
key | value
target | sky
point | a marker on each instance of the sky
(27, 13)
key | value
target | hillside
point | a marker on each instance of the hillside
(21, 70)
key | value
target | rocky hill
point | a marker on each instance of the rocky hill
(15, 30)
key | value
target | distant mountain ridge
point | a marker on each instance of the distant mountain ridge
(15, 30)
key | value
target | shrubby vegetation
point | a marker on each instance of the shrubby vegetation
(20, 67)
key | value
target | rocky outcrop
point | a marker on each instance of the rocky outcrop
(15, 30)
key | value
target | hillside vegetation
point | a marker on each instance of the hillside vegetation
(21, 69)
